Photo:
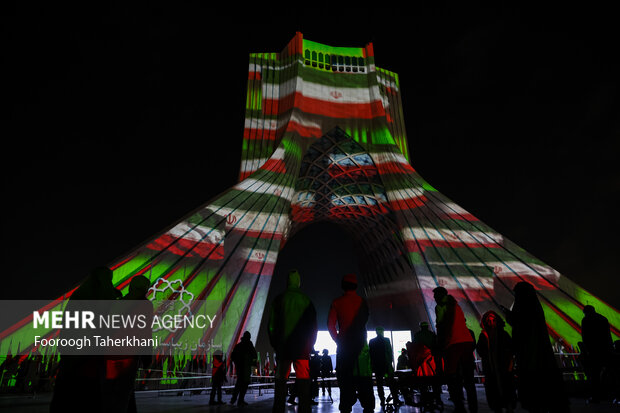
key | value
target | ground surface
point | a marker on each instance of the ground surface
(258, 403)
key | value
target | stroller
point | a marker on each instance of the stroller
(420, 386)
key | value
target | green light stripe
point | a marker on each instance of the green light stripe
(344, 51)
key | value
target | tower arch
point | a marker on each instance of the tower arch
(340, 183)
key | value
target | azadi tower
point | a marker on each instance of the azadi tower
(324, 139)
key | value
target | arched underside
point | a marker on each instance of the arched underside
(339, 182)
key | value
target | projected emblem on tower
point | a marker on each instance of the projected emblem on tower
(324, 139)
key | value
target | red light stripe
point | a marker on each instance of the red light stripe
(422, 244)
(394, 168)
(274, 165)
(28, 318)
(304, 131)
(402, 204)
(121, 263)
(462, 217)
(314, 106)
(259, 133)
(183, 247)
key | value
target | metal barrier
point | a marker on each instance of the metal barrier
(31, 378)
(192, 383)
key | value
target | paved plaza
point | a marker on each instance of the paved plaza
(258, 403)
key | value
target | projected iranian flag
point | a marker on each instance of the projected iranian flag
(324, 140)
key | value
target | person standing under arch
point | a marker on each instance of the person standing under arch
(292, 333)
(346, 323)
(456, 345)
(381, 360)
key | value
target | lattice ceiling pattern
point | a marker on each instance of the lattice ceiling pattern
(339, 180)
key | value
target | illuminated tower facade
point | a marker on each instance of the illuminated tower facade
(324, 139)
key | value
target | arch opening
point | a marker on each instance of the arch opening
(322, 252)
(339, 183)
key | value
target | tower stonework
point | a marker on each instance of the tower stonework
(324, 139)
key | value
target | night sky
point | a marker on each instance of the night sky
(122, 120)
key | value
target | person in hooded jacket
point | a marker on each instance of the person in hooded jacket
(292, 333)
(540, 385)
(496, 352)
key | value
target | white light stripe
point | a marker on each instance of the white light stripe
(509, 268)
(468, 237)
(318, 91)
(271, 124)
(388, 157)
(452, 208)
(260, 255)
(271, 223)
(466, 283)
(391, 84)
(258, 68)
(282, 191)
(189, 231)
(251, 165)
(278, 154)
(500, 269)
(404, 194)
(261, 124)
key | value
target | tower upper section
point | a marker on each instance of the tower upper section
(336, 59)
(309, 88)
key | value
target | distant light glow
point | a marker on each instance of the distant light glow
(397, 338)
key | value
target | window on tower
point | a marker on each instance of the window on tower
(333, 62)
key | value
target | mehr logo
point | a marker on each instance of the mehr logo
(62, 319)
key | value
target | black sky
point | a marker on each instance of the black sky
(121, 120)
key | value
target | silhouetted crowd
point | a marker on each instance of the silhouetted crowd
(517, 368)
(100, 382)
(521, 368)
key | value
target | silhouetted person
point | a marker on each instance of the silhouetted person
(403, 361)
(80, 380)
(495, 349)
(469, 372)
(456, 345)
(346, 323)
(426, 337)
(615, 370)
(218, 376)
(244, 356)
(540, 387)
(315, 372)
(423, 357)
(97, 286)
(327, 367)
(381, 359)
(292, 333)
(121, 369)
(597, 348)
